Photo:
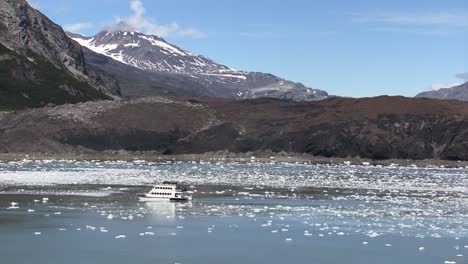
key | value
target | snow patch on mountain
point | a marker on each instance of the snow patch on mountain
(107, 50)
(166, 46)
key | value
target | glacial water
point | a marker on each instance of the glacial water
(87, 212)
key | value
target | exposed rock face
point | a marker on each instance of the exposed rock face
(24, 28)
(176, 65)
(32, 81)
(378, 128)
(459, 92)
(37, 60)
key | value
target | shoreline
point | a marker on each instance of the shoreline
(223, 157)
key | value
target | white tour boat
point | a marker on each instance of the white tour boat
(168, 190)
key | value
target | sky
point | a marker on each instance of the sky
(356, 48)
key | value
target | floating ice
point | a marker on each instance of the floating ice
(425, 201)
(120, 236)
(372, 233)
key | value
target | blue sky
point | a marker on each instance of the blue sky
(348, 48)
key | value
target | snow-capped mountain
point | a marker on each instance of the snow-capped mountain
(154, 54)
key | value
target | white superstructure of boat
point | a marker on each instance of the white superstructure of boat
(168, 190)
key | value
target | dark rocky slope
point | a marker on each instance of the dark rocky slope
(377, 128)
(39, 64)
(32, 81)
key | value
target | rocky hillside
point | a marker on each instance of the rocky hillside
(155, 55)
(39, 64)
(377, 128)
(459, 92)
(32, 81)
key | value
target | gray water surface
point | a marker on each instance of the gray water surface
(241, 213)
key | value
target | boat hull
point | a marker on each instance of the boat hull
(144, 198)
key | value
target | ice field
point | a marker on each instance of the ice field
(87, 212)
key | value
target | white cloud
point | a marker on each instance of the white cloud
(438, 86)
(34, 4)
(137, 21)
(192, 32)
(77, 26)
(463, 76)
(458, 19)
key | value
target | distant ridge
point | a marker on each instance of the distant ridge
(376, 128)
(459, 92)
(154, 54)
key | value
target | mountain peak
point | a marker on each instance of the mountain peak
(154, 54)
(120, 28)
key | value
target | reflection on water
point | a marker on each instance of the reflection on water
(161, 210)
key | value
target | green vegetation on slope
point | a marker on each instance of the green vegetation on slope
(35, 82)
